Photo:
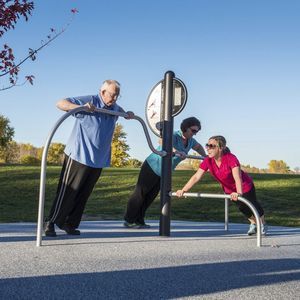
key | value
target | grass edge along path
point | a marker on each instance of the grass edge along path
(279, 194)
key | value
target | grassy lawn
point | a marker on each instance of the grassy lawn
(19, 189)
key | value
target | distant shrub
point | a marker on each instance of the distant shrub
(29, 160)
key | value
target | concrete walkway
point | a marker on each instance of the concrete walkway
(198, 261)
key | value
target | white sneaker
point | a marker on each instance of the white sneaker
(252, 229)
(264, 229)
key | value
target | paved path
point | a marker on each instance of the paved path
(198, 261)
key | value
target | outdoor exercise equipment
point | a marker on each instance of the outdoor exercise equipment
(45, 152)
(166, 100)
(226, 197)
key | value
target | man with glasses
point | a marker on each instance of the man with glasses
(148, 184)
(88, 150)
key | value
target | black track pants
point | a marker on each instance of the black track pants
(75, 185)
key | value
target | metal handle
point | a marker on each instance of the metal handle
(220, 196)
(121, 114)
(192, 156)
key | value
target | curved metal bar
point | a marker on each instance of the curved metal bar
(220, 196)
(160, 153)
(45, 152)
(111, 112)
(43, 172)
(195, 157)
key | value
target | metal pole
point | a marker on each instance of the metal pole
(226, 215)
(195, 157)
(167, 146)
(244, 200)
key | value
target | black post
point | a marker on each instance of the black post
(167, 145)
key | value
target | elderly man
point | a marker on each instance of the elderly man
(88, 150)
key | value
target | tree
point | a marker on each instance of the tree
(10, 153)
(6, 131)
(195, 162)
(250, 169)
(30, 160)
(119, 147)
(56, 154)
(10, 13)
(6, 135)
(278, 166)
(27, 150)
(133, 163)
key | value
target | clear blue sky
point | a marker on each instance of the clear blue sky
(240, 61)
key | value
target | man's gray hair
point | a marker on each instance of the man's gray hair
(108, 82)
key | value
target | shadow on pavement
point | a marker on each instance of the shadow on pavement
(156, 283)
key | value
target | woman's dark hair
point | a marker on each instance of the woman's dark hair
(221, 143)
(189, 122)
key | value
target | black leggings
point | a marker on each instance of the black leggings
(146, 190)
(251, 197)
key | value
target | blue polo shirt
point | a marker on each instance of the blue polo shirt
(155, 161)
(90, 140)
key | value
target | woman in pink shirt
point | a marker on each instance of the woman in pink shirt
(225, 168)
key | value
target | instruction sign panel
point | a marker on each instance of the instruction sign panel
(154, 106)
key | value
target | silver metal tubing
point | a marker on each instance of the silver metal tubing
(195, 157)
(43, 173)
(220, 196)
(192, 156)
(111, 112)
(160, 153)
(45, 152)
(226, 214)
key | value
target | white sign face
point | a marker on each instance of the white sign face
(153, 108)
(177, 95)
(155, 104)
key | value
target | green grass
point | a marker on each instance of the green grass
(19, 190)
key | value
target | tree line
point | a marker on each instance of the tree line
(20, 153)
(12, 152)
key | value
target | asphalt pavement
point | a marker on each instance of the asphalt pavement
(107, 261)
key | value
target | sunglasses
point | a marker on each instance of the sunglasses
(194, 131)
(211, 146)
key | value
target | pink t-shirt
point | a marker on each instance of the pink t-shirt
(223, 174)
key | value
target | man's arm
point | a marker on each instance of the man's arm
(67, 105)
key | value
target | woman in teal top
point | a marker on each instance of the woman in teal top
(148, 184)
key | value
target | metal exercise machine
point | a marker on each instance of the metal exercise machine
(226, 197)
(166, 100)
(45, 152)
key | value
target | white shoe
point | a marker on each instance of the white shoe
(264, 229)
(252, 229)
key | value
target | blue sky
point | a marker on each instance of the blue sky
(240, 62)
